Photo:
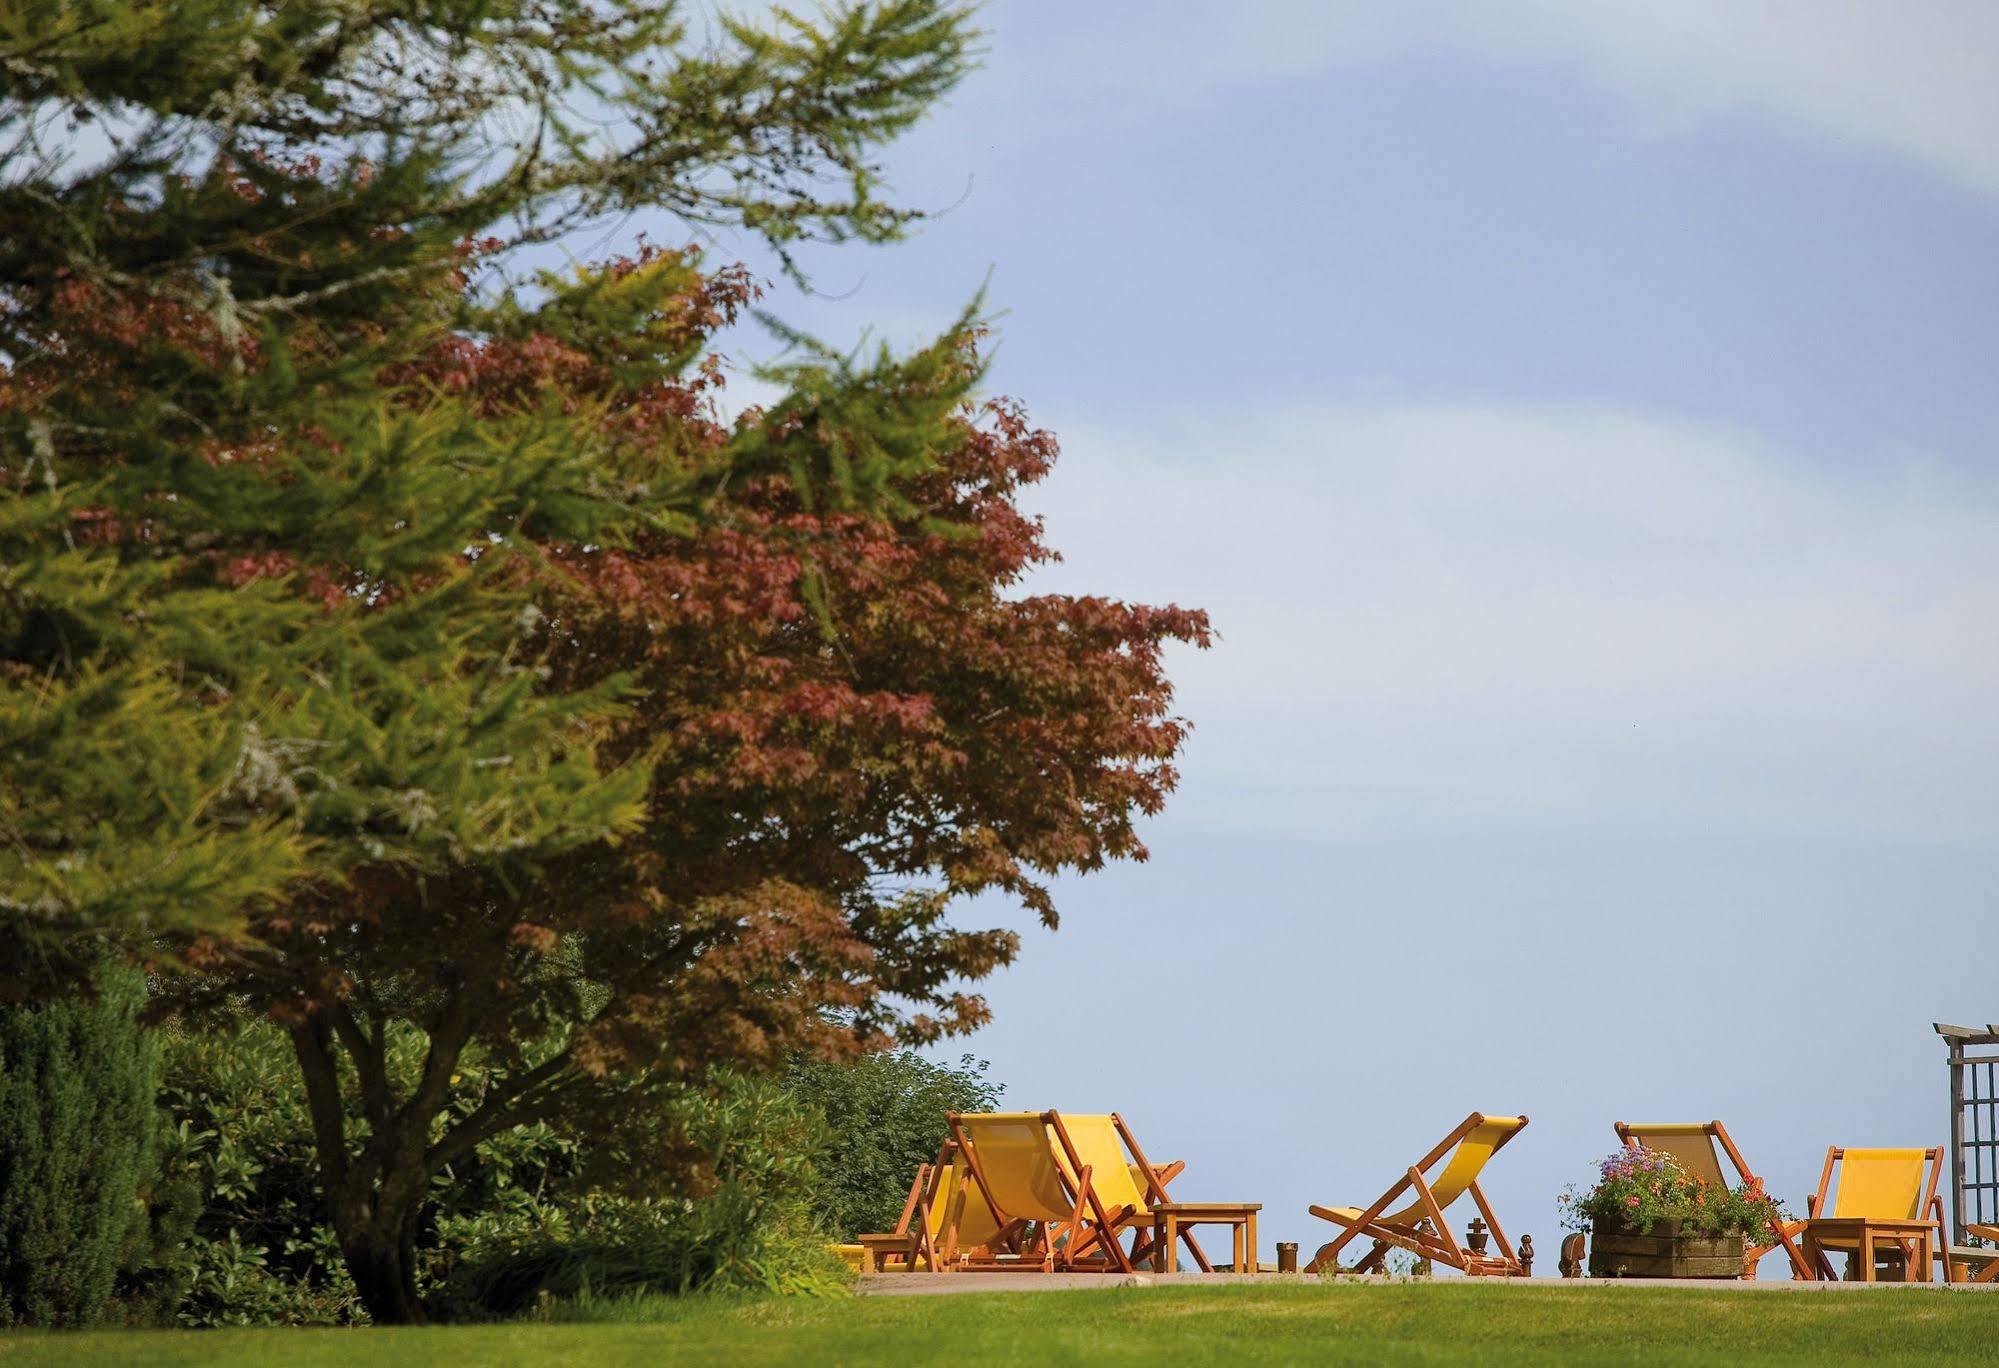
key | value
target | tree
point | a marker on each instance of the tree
(885, 1112)
(241, 646)
(390, 640)
(77, 1150)
(851, 718)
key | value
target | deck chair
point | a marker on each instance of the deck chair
(1896, 1184)
(1695, 1145)
(1125, 1182)
(1051, 1209)
(1420, 1227)
(940, 1220)
(1972, 1263)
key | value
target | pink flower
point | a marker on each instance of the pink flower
(1631, 1201)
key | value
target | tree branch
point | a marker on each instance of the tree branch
(507, 1106)
(322, 1093)
(369, 1065)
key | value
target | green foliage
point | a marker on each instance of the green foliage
(753, 1227)
(1636, 1188)
(232, 547)
(523, 1216)
(262, 1252)
(885, 1115)
(81, 1198)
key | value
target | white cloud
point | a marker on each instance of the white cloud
(1553, 615)
(1912, 79)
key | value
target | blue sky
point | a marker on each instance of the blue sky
(1577, 418)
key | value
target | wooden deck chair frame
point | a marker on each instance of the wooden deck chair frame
(1928, 1202)
(1783, 1234)
(911, 1241)
(1125, 1220)
(919, 1238)
(1436, 1243)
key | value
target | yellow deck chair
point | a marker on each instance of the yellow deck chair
(1699, 1146)
(1887, 1184)
(1023, 1175)
(940, 1219)
(1421, 1227)
(1125, 1184)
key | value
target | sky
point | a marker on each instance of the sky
(1577, 418)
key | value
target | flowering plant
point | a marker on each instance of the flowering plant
(1637, 1187)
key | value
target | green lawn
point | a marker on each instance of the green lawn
(1291, 1323)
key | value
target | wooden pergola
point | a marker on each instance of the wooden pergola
(1974, 1124)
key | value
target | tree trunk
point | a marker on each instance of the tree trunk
(373, 1197)
(375, 1193)
(381, 1262)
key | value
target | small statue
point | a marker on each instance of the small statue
(1572, 1255)
(1526, 1256)
(1476, 1236)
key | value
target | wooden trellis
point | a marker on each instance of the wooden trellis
(1974, 1124)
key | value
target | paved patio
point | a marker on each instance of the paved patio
(945, 1284)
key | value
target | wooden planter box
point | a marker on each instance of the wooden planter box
(1664, 1253)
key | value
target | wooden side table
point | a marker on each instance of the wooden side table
(1862, 1236)
(1170, 1218)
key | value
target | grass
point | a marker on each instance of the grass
(1395, 1323)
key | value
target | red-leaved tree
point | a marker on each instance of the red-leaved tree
(853, 712)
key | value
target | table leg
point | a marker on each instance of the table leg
(1249, 1238)
(1867, 1254)
(1235, 1245)
(1169, 1246)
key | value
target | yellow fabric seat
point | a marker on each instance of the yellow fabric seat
(1017, 1165)
(961, 1210)
(1118, 1181)
(1876, 1184)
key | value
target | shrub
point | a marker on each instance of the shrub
(754, 1225)
(885, 1113)
(1637, 1188)
(261, 1251)
(81, 1199)
(534, 1211)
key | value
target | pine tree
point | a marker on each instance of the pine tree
(242, 646)
(77, 1125)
